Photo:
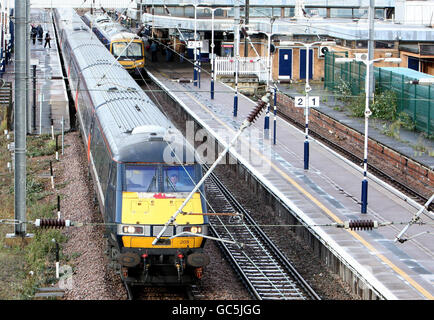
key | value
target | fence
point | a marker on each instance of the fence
(247, 66)
(414, 100)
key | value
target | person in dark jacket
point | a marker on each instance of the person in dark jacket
(33, 34)
(154, 49)
(40, 33)
(47, 40)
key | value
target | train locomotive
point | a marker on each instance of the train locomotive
(142, 168)
(128, 47)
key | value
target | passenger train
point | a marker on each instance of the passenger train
(142, 168)
(117, 40)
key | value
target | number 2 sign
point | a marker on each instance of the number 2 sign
(300, 101)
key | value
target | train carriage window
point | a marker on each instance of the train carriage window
(134, 50)
(141, 179)
(178, 178)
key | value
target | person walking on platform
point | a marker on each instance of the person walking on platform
(154, 49)
(40, 33)
(47, 40)
(33, 34)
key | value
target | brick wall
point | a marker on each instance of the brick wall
(391, 162)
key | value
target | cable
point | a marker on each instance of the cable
(366, 225)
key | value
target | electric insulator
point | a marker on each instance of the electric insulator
(257, 111)
(361, 225)
(244, 31)
(52, 223)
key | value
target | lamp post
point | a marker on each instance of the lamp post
(195, 66)
(212, 48)
(307, 89)
(368, 112)
(236, 52)
(267, 114)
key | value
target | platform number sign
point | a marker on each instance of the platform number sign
(300, 101)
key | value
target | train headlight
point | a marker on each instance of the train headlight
(193, 229)
(130, 230)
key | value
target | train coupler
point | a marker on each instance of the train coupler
(198, 272)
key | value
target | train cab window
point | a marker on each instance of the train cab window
(141, 179)
(134, 50)
(178, 179)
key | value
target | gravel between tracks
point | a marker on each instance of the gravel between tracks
(92, 279)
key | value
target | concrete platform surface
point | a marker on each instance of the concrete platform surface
(51, 97)
(329, 192)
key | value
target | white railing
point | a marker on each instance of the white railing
(247, 66)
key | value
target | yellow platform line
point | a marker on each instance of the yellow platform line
(410, 280)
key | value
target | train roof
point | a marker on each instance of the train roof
(131, 122)
(110, 29)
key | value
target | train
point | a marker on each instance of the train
(128, 47)
(142, 167)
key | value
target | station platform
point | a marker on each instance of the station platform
(406, 144)
(51, 103)
(329, 192)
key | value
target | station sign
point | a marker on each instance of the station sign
(191, 44)
(300, 102)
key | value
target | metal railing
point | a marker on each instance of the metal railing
(247, 66)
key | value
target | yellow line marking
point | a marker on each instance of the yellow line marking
(417, 286)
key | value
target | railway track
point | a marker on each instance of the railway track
(264, 270)
(187, 292)
(409, 191)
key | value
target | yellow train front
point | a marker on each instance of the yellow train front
(151, 194)
(130, 51)
(125, 46)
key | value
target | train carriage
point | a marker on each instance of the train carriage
(128, 47)
(142, 168)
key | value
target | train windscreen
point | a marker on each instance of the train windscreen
(178, 179)
(147, 178)
(134, 50)
(141, 179)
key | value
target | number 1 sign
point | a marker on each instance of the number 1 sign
(300, 101)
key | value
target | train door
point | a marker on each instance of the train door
(285, 63)
(303, 63)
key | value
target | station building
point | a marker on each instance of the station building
(400, 30)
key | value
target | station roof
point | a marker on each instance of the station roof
(347, 29)
(407, 72)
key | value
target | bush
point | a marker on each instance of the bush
(343, 89)
(384, 105)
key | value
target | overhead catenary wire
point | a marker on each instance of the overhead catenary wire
(350, 224)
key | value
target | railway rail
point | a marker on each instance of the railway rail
(409, 191)
(264, 270)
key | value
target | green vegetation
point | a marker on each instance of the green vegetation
(24, 268)
(343, 91)
(383, 107)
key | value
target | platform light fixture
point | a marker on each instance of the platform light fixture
(212, 44)
(368, 112)
(307, 90)
(195, 65)
(422, 81)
